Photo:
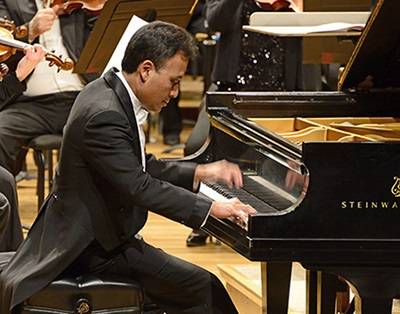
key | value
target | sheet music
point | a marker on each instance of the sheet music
(329, 29)
(116, 58)
(307, 24)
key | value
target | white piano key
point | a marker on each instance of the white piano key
(209, 192)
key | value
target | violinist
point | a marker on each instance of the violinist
(13, 82)
(44, 106)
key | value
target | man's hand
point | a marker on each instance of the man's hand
(42, 22)
(231, 208)
(220, 171)
(33, 55)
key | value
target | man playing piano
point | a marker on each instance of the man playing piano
(105, 183)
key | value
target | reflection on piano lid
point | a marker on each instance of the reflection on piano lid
(274, 179)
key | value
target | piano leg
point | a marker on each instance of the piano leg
(374, 286)
(275, 285)
(321, 293)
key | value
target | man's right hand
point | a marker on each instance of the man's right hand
(231, 208)
(42, 22)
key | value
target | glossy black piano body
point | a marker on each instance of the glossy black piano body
(341, 199)
(350, 188)
(341, 216)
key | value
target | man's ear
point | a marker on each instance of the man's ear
(146, 68)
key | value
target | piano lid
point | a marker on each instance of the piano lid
(375, 61)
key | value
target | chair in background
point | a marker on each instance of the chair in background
(43, 147)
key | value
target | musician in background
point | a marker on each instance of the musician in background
(171, 115)
(248, 61)
(13, 82)
(44, 106)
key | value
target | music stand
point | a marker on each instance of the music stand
(377, 52)
(114, 19)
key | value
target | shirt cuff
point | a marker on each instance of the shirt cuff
(205, 219)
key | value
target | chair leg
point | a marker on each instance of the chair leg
(41, 164)
(50, 168)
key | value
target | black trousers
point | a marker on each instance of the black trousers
(171, 117)
(27, 118)
(174, 285)
(11, 237)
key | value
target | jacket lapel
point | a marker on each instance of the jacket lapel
(123, 96)
(70, 35)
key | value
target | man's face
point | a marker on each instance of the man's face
(159, 87)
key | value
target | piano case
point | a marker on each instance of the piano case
(322, 169)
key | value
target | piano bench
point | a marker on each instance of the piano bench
(87, 294)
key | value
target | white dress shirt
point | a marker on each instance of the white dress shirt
(140, 115)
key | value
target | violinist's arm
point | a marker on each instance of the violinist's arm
(10, 86)
(42, 22)
(12, 83)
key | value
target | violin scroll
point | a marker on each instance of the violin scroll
(65, 65)
(18, 32)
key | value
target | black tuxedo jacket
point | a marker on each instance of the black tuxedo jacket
(101, 193)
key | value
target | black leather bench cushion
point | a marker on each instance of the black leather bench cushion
(87, 294)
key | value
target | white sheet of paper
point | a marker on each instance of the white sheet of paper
(342, 28)
(308, 23)
(116, 58)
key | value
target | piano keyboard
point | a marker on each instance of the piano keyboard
(256, 195)
(268, 192)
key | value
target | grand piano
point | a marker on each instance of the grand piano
(322, 169)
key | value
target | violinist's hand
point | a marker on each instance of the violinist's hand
(42, 22)
(231, 208)
(33, 55)
(219, 171)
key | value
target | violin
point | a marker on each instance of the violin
(9, 46)
(18, 32)
(278, 5)
(93, 7)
